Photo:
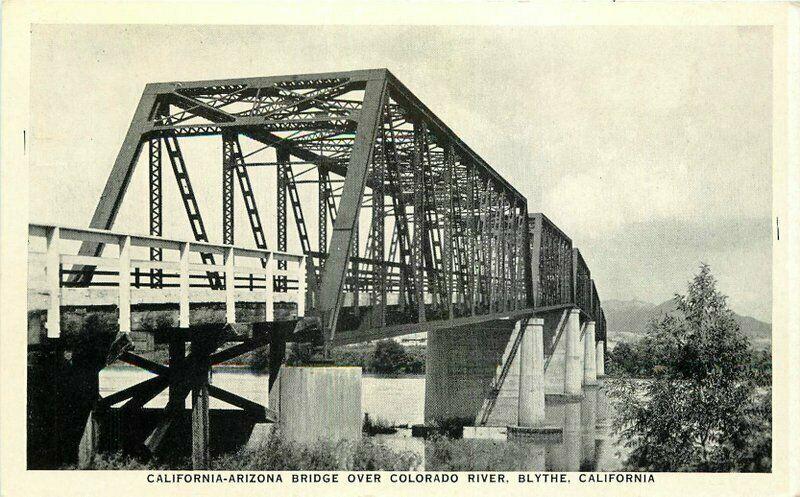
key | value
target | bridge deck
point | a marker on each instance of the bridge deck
(123, 280)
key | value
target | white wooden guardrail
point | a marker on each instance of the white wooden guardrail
(180, 268)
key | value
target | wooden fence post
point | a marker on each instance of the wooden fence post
(230, 287)
(269, 301)
(183, 320)
(125, 284)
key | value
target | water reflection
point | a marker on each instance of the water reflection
(582, 444)
(585, 432)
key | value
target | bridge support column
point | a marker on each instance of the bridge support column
(573, 374)
(318, 402)
(589, 360)
(460, 368)
(531, 404)
(600, 358)
(200, 424)
(531, 375)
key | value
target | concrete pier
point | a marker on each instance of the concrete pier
(573, 367)
(317, 402)
(600, 358)
(589, 360)
(531, 376)
(461, 365)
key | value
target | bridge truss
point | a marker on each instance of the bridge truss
(414, 229)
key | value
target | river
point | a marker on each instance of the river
(585, 442)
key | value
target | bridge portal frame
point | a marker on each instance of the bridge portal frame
(469, 252)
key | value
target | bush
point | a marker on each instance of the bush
(377, 426)
(389, 357)
(119, 461)
(385, 357)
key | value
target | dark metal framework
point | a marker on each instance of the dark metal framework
(562, 278)
(443, 236)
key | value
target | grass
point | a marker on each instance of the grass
(447, 454)
(278, 454)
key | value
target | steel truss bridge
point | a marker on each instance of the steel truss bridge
(414, 231)
(449, 240)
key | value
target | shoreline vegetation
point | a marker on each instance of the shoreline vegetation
(368, 454)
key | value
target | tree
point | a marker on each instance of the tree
(701, 410)
(630, 360)
(389, 357)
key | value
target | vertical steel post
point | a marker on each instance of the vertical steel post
(322, 206)
(447, 255)
(378, 234)
(281, 186)
(228, 165)
(472, 230)
(417, 247)
(156, 212)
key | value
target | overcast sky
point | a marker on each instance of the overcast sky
(650, 147)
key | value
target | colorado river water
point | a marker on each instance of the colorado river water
(585, 443)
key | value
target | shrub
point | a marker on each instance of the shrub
(389, 357)
(118, 461)
(377, 426)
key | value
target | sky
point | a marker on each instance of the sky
(650, 146)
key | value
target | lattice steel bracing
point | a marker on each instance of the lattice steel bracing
(228, 166)
(156, 207)
(246, 186)
(458, 247)
(322, 210)
(282, 179)
(551, 251)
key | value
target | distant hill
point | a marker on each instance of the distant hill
(627, 321)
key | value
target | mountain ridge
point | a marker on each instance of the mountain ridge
(627, 321)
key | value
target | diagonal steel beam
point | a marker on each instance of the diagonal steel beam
(124, 165)
(349, 205)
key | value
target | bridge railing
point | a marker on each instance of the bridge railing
(243, 274)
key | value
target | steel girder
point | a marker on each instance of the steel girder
(454, 224)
